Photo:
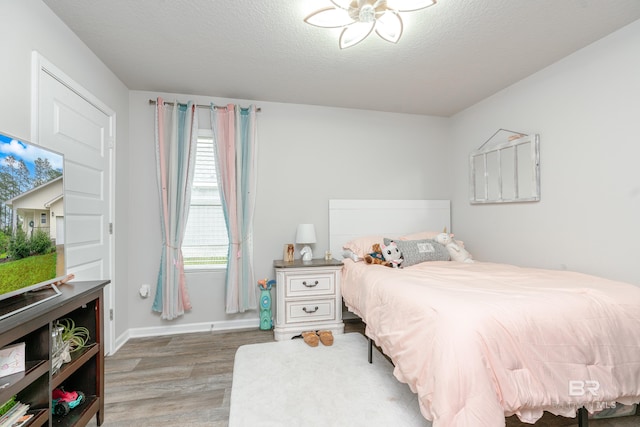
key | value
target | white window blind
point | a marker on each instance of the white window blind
(206, 241)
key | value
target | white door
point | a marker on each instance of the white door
(71, 121)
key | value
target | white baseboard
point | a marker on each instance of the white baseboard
(222, 326)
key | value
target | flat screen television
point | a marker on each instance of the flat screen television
(32, 232)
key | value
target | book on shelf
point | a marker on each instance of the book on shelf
(6, 406)
(12, 359)
(14, 414)
(23, 420)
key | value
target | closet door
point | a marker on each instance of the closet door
(74, 123)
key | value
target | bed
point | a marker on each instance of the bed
(482, 341)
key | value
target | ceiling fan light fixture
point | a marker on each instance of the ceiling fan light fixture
(359, 18)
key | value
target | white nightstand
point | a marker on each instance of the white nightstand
(308, 297)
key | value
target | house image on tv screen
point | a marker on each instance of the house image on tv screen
(41, 208)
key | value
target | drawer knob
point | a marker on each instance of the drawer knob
(310, 311)
(310, 285)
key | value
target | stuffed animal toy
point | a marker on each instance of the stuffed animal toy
(392, 254)
(376, 257)
(456, 251)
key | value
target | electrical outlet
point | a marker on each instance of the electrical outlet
(145, 290)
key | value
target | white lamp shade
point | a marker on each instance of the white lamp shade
(306, 233)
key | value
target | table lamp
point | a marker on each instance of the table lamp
(305, 235)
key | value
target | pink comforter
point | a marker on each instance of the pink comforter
(478, 342)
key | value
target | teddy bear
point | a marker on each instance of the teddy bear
(375, 256)
(456, 251)
(392, 254)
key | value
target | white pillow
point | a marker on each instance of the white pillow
(362, 245)
(417, 251)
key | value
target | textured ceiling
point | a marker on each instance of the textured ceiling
(450, 56)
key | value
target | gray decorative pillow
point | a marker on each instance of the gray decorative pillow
(417, 251)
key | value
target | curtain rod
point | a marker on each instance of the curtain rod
(153, 102)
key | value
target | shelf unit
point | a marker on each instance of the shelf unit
(82, 302)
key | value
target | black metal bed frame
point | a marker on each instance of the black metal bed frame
(582, 415)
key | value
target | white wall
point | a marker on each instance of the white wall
(586, 109)
(306, 156)
(29, 25)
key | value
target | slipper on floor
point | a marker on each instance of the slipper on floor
(311, 338)
(326, 337)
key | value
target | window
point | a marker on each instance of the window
(205, 241)
(43, 218)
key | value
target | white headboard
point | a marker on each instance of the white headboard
(349, 219)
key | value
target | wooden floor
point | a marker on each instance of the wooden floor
(185, 380)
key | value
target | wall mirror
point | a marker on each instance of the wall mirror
(505, 169)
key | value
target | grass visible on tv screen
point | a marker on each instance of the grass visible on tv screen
(27, 271)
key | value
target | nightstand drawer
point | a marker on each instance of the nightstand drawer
(310, 284)
(311, 310)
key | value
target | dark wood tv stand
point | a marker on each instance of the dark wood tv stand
(82, 302)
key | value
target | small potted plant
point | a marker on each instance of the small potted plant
(68, 338)
(76, 336)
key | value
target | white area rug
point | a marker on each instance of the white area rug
(288, 383)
